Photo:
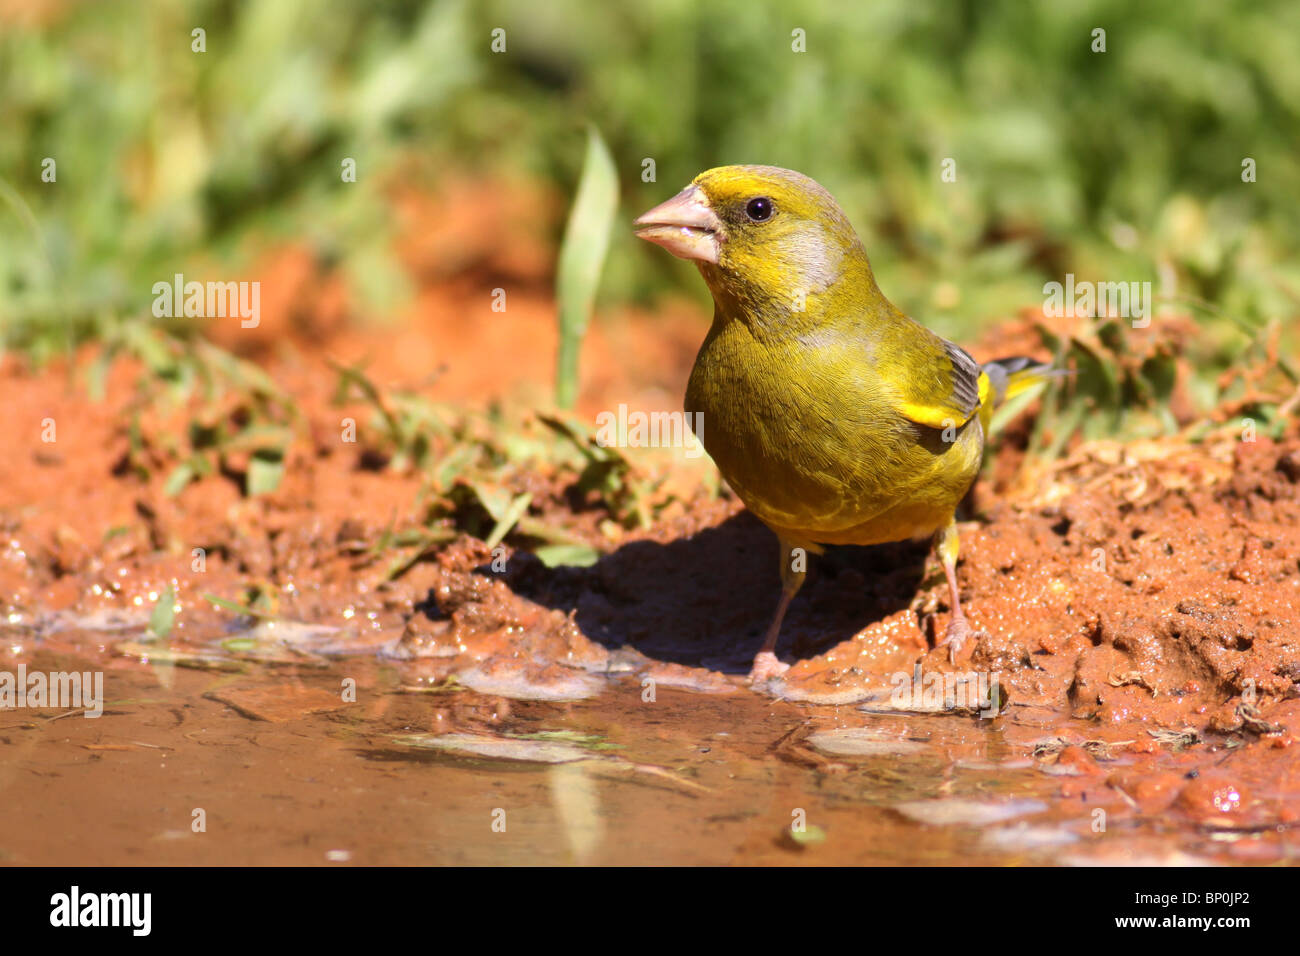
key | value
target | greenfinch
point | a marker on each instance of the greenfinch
(833, 416)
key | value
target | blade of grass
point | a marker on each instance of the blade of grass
(239, 608)
(509, 519)
(582, 254)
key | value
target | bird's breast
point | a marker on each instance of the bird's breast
(806, 435)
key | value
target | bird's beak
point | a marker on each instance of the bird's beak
(685, 225)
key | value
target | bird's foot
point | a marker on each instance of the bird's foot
(766, 666)
(958, 633)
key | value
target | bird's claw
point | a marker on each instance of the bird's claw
(766, 666)
(958, 633)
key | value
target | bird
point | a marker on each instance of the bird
(832, 415)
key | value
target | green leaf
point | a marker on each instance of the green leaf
(265, 469)
(577, 437)
(582, 255)
(164, 614)
(808, 836)
(181, 476)
(509, 519)
(429, 541)
(567, 555)
(268, 439)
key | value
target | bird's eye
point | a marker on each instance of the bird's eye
(760, 209)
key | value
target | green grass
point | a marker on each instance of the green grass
(1117, 166)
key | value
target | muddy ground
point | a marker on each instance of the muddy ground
(1140, 603)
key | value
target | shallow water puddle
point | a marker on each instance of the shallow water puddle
(370, 760)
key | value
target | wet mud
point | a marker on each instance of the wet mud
(1133, 697)
(1138, 603)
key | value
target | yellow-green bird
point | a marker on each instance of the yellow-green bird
(835, 417)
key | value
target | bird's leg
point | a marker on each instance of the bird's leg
(766, 665)
(794, 568)
(959, 629)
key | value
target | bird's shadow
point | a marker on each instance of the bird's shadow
(707, 599)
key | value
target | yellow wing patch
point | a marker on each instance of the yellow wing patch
(938, 384)
(932, 416)
(947, 416)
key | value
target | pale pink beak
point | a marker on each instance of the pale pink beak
(685, 226)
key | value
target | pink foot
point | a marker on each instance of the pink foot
(766, 666)
(958, 633)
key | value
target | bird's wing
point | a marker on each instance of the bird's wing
(942, 386)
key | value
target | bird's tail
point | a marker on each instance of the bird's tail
(1008, 377)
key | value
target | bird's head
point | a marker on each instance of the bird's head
(767, 240)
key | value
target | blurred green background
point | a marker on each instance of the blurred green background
(1123, 165)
